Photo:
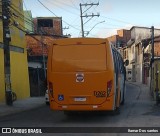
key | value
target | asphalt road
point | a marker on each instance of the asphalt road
(138, 111)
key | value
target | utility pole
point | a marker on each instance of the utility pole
(86, 15)
(6, 40)
(152, 42)
(44, 63)
(65, 28)
(82, 29)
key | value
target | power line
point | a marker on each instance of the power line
(56, 15)
(23, 18)
(26, 9)
(74, 4)
(63, 8)
(14, 8)
(66, 4)
(17, 14)
(117, 20)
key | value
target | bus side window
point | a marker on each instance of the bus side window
(117, 61)
(121, 65)
(114, 58)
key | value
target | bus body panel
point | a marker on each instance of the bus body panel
(93, 89)
(80, 71)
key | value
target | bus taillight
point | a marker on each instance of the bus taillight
(51, 88)
(109, 87)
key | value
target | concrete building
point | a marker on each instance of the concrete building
(151, 69)
(135, 48)
(29, 26)
(18, 55)
(147, 54)
(128, 55)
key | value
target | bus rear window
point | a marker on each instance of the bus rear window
(72, 58)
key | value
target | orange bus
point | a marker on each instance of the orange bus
(85, 74)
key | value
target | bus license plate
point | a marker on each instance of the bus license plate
(80, 99)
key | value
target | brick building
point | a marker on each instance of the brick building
(46, 30)
(121, 39)
(48, 25)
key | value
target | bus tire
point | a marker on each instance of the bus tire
(47, 103)
(116, 111)
(122, 103)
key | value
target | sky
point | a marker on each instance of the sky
(114, 15)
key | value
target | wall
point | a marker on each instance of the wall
(121, 39)
(18, 57)
(129, 67)
(29, 22)
(55, 30)
(157, 48)
(138, 62)
(19, 74)
(153, 82)
(113, 39)
(124, 34)
(139, 33)
(2, 85)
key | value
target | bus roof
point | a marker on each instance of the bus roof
(80, 41)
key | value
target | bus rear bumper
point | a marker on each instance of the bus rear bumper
(103, 107)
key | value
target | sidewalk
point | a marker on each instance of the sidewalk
(144, 107)
(144, 94)
(21, 105)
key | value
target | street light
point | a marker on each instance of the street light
(94, 27)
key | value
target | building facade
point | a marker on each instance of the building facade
(48, 25)
(28, 21)
(121, 39)
(18, 54)
(138, 34)
(46, 30)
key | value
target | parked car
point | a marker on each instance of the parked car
(47, 97)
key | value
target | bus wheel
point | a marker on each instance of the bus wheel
(122, 103)
(116, 111)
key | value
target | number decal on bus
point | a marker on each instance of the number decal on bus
(100, 93)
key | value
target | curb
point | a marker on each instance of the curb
(13, 111)
(21, 106)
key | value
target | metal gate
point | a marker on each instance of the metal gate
(38, 83)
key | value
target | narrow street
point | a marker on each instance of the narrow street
(139, 110)
(79, 53)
